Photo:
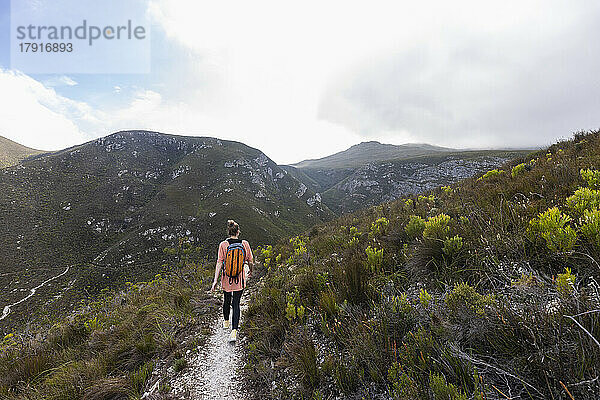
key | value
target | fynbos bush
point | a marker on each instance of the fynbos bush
(584, 199)
(379, 227)
(464, 298)
(415, 226)
(565, 282)
(437, 227)
(553, 226)
(374, 258)
(517, 170)
(491, 174)
(591, 177)
(590, 226)
(452, 245)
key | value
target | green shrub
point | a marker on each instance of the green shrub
(299, 249)
(452, 245)
(464, 298)
(290, 312)
(424, 297)
(590, 226)
(553, 226)
(447, 189)
(491, 174)
(517, 170)
(265, 255)
(426, 199)
(415, 226)
(437, 227)
(565, 282)
(402, 387)
(591, 177)
(294, 308)
(374, 258)
(180, 364)
(353, 242)
(92, 324)
(584, 199)
(444, 391)
(379, 226)
(400, 304)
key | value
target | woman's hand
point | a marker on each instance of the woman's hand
(214, 286)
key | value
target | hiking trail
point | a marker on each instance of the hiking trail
(7, 309)
(212, 373)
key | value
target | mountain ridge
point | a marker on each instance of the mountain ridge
(109, 207)
(369, 173)
(12, 153)
(356, 155)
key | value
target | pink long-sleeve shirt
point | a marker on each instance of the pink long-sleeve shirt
(241, 284)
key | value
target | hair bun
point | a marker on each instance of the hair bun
(230, 222)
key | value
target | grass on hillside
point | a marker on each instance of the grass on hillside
(12, 153)
(110, 348)
(487, 289)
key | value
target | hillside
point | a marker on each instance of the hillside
(12, 153)
(487, 289)
(483, 290)
(367, 152)
(106, 210)
(370, 173)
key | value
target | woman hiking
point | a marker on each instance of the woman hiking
(233, 254)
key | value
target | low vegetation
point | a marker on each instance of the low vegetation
(485, 290)
(110, 348)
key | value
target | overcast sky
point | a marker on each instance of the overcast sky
(305, 79)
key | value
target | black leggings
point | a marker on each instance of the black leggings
(237, 295)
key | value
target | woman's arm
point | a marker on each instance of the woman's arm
(249, 257)
(217, 270)
(251, 266)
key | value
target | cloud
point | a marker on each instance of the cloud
(463, 74)
(524, 86)
(36, 116)
(306, 79)
(60, 81)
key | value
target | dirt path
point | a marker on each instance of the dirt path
(213, 372)
(7, 309)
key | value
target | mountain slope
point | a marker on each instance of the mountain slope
(375, 183)
(11, 153)
(369, 173)
(107, 208)
(367, 152)
(485, 290)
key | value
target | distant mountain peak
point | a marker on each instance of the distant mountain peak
(370, 151)
(367, 142)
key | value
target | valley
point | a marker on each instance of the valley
(109, 207)
(103, 211)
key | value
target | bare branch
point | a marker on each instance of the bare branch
(582, 327)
